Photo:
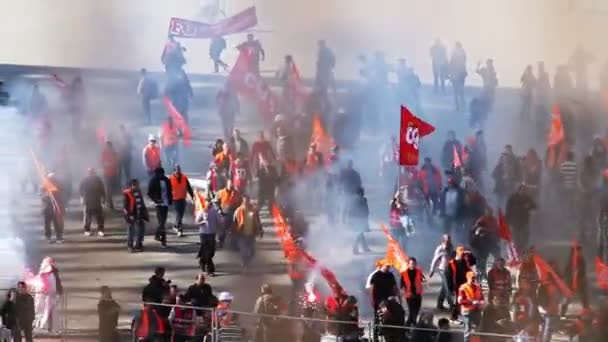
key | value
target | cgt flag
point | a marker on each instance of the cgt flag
(412, 129)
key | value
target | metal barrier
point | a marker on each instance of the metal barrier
(245, 326)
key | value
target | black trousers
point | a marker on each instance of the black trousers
(180, 208)
(89, 213)
(111, 184)
(413, 307)
(161, 216)
(207, 252)
(52, 218)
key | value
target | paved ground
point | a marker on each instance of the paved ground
(86, 263)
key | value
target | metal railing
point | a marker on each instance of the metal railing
(248, 324)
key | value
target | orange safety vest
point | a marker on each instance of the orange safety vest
(143, 330)
(183, 322)
(152, 156)
(229, 198)
(179, 188)
(169, 134)
(469, 293)
(418, 278)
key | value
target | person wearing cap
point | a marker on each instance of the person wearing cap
(161, 193)
(151, 156)
(209, 221)
(455, 275)
(471, 301)
(180, 189)
(53, 207)
(228, 322)
(135, 214)
(111, 171)
(92, 196)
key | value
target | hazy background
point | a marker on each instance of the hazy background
(130, 34)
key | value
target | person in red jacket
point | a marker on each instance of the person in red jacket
(111, 172)
(430, 179)
(151, 156)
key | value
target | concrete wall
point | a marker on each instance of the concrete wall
(129, 34)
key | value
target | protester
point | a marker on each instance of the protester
(183, 321)
(180, 189)
(247, 227)
(209, 222)
(52, 195)
(111, 172)
(517, 214)
(441, 258)
(48, 292)
(439, 58)
(255, 50)
(200, 295)
(267, 304)
(93, 196)
(412, 283)
(456, 275)
(8, 312)
(160, 192)
(458, 74)
(135, 214)
(230, 199)
(216, 47)
(24, 305)
(147, 89)
(125, 148)
(452, 207)
(499, 281)
(108, 311)
(391, 313)
(151, 156)
(471, 301)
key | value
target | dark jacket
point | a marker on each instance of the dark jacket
(460, 202)
(92, 191)
(518, 209)
(447, 153)
(9, 314)
(108, 311)
(350, 180)
(267, 179)
(132, 211)
(155, 290)
(25, 309)
(456, 276)
(201, 296)
(154, 189)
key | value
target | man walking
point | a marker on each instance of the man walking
(24, 305)
(136, 214)
(151, 156)
(92, 196)
(247, 227)
(439, 58)
(180, 189)
(411, 282)
(147, 89)
(111, 171)
(441, 259)
(470, 298)
(208, 221)
(160, 192)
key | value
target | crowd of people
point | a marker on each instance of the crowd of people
(457, 194)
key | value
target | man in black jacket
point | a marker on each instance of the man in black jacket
(517, 213)
(159, 191)
(136, 214)
(200, 294)
(92, 195)
(24, 306)
(156, 288)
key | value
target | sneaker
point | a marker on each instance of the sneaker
(87, 233)
(163, 245)
(50, 240)
(101, 233)
(157, 238)
(139, 249)
(211, 274)
(176, 229)
(180, 233)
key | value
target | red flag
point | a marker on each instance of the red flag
(574, 265)
(319, 136)
(547, 274)
(252, 85)
(285, 239)
(457, 162)
(412, 129)
(504, 231)
(239, 22)
(556, 132)
(179, 121)
(601, 274)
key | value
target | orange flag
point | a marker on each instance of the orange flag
(179, 121)
(556, 132)
(504, 231)
(395, 256)
(282, 230)
(319, 136)
(457, 162)
(200, 203)
(574, 265)
(547, 274)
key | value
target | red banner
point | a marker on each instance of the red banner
(412, 129)
(183, 28)
(252, 85)
(601, 274)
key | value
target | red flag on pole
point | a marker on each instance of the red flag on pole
(547, 274)
(200, 203)
(252, 85)
(412, 129)
(395, 256)
(457, 162)
(319, 136)
(179, 121)
(556, 132)
(601, 274)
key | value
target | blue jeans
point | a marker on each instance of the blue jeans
(171, 156)
(444, 292)
(471, 322)
(136, 230)
(549, 323)
(246, 249)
